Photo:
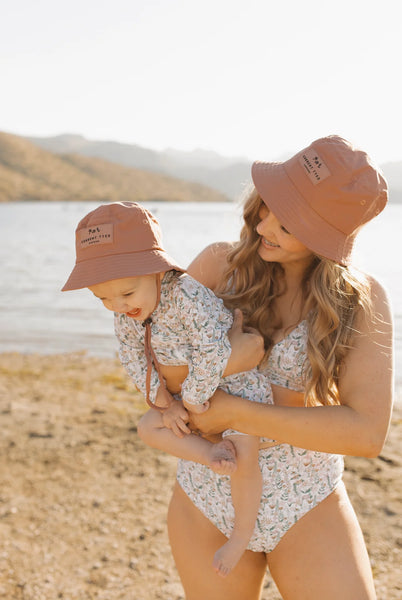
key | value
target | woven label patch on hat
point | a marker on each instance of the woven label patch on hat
(96, 235)
(315, 168)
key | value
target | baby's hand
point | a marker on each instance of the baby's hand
(175, 418)
(163, 397)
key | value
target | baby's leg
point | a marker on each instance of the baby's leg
(220, 457)
(246, 485)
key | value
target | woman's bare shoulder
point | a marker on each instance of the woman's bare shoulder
(378, 291)
(373, 321)
(380, 300)
(209, 265)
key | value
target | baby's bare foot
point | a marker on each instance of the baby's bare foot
(227, 557)
(223, 458)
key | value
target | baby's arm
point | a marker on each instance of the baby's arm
(205, 323)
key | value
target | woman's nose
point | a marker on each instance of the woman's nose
(265, 224)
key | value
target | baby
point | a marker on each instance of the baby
(165, 320)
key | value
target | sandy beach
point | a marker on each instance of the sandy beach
(83, 502)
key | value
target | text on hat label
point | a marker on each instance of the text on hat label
(314, 166)
(96, 235)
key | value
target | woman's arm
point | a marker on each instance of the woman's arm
(358, 426)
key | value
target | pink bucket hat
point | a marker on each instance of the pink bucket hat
(323, 195)
(117, 240)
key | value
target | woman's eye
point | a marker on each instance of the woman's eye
(285, 230)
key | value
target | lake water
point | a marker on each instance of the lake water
(37, 255)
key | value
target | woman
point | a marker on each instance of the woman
(327, 332)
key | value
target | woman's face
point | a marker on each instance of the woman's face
(277, 244)
(133, 296)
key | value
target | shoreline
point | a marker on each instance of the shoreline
(83, 501)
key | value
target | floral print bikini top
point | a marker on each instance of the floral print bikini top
(287, 362)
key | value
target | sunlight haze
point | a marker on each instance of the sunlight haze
(248, 78)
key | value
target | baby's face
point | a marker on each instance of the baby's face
(134, 296)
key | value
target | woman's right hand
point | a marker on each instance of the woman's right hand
(247, 346)
(216, 418)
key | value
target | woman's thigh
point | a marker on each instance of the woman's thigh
(194, 541)
(324, 555)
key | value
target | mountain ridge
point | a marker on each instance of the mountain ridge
(29, 172)
(228, 175)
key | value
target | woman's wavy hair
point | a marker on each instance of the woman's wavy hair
(332, 296)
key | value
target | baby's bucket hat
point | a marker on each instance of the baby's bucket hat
(117, 240)
(323, 195)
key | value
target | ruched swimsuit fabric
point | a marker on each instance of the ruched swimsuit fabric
(295, 480)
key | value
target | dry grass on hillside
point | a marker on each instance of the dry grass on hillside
(30, 173)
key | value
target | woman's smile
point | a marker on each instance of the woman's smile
(267, 244)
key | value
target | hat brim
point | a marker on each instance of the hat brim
(118, 266)
(294, 212)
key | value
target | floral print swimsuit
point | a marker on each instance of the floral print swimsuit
(295, 480)
(190, 328)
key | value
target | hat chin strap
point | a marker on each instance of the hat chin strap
(151, 357)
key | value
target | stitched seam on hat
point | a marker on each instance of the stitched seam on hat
(123, 254)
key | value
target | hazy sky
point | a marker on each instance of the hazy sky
(255, 78)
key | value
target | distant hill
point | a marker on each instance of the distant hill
(228, 175)
(28, 172)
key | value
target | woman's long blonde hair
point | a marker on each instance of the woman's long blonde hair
(332, 295)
